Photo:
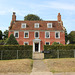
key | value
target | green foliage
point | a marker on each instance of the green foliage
(12, 40)
(32, 17)
(64, 51)
(3, 42)
(56, 43)
(10, 51)
(66, 36)
(72, 37)
(0, 35)
(6, 34)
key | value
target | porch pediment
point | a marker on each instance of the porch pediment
(36, 40)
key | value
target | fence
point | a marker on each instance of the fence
(59, 54)
(15, 54)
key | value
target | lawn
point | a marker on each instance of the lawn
(61, 65)
(19, 65)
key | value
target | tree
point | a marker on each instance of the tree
(12, 40)
(32, 17)
(72, 37)
(66, 36)
(5, 34)
(0, 35)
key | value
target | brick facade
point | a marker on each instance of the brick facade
(57, 26)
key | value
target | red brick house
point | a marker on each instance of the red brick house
(37, 33)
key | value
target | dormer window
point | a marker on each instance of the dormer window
(23, 25)
(49, 25)
(36, 25)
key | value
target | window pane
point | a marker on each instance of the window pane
(47, 34)
(23, 26)
(26, 34)
(47, 43)
(49, 26)
(57, 35)
(26, 43)
(36, 34)
(16, 34)
(37, 26)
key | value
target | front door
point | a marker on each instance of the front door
(36, 46)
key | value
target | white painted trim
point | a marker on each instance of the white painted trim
(37, 30)
(23, 24)
(38, 34)
(45, 34)
(34, 46)
(36, 24)
(26, 32)
(16, 32)
(58, 34)
(48, 42)
(48, 25)
(26, 42)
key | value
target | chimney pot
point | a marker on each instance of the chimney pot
(59, 17)
(14, 17)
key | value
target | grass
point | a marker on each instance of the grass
(61, 65)
(19, 65)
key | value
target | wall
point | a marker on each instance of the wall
(52, 38)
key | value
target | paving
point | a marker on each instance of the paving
(65, 73)
(14, 73)
(39, 67)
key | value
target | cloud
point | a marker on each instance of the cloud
(37, 8)
(58, 5)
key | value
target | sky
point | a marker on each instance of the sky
(45, 9)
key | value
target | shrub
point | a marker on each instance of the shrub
(12, 40)
(58, 50)
(11, 51)
(56, 43)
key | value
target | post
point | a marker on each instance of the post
(1, 54)
(57, 53)
(17, 54)
(74, 53)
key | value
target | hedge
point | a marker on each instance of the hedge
(59, 51)
(15, 51)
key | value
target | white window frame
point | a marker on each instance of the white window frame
(36, 24)
(26, 32)
(58, 34)
(48, 25)
(38, 34)
(23, 24)
(16, 32)
(45, 34)
(46, 42)
(26, 42)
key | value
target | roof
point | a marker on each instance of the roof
(30, 25)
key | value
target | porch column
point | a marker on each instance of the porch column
(39, 46)
(33, 47)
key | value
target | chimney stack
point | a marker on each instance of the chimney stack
(14, 17)
(59, 17)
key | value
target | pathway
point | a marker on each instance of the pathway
(39, 67)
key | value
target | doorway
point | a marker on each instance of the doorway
(36, 47)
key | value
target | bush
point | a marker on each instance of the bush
(64, 51)
(3, 42)
(56, 43)
(11, 52)
(12, 40)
